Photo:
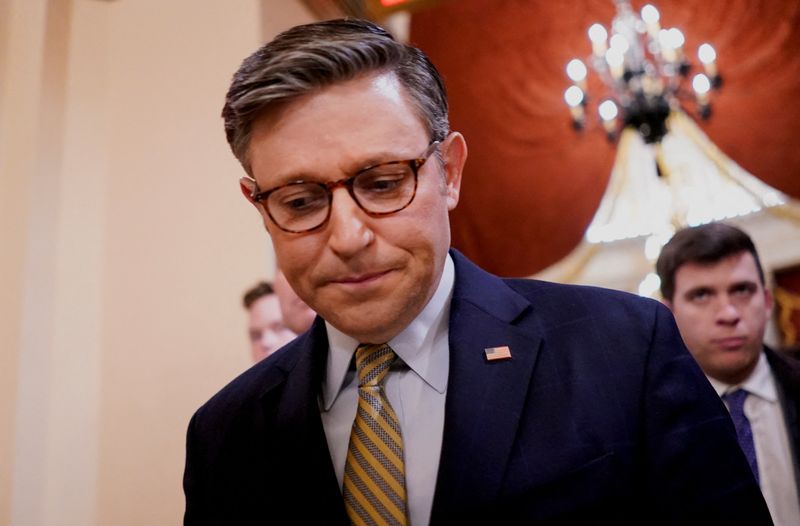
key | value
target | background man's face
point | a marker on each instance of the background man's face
(722, 311)
(296, 314)
(266, 328)
(368, 276)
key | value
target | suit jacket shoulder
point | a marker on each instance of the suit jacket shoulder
(786, 371)
(600, 416)
(559, 303)
(256, 450)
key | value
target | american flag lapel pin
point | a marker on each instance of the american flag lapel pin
(494, 354)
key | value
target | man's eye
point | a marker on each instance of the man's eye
(384, 181)
(300, 200)
(298, 203)
(745, 289)
(699, 295)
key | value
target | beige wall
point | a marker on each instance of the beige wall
(126, 246)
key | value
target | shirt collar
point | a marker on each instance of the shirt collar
(414, 345)
(760, 383)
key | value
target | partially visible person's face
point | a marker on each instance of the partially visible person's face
(296, 314)
(265, 325)
(367, 276)
(722, 311)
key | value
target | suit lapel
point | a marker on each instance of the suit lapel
(787, 376)
(301, 454)
(484, 398)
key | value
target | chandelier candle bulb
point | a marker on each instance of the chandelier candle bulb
(608, 110)
(608, 113)
(616, 63)
(574, 98)
(650, 17)
(677, 41)
(619, 42)
(598, 36)
(665, 44)
(576, 71)
(708, 57)
(701, 85)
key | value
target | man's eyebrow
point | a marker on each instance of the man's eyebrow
(351, 168)
(376, 159)
(292, 177)
(694, 291)
(744, 284)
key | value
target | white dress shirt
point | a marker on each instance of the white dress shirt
(415, 386)
(773, 453)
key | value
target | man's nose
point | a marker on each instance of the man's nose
(728, 313)
(349, 231)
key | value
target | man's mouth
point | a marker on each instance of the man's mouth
(362, 278)
(730, 342)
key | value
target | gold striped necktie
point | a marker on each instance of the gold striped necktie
(374, 473)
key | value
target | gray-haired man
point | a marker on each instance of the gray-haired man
(429, 391)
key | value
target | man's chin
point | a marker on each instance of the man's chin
(735, 369)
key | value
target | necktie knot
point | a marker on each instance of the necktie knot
(372, 363)
(735, 400)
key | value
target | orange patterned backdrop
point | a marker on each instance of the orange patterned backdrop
(531, 184)
(787, 303)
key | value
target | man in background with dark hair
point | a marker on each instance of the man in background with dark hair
(296, 314)
(429, 391)
(713, 281)
(265, 325)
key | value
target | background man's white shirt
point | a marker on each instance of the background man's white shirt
(773, 452)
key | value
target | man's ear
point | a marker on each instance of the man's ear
(454, 155)
(768, 300)
(668, 303)
(248, 188)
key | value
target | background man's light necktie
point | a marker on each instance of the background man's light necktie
(374, 473)
(744, 432)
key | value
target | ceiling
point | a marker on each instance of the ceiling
(532, 184)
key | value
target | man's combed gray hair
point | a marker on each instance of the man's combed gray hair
(308, 57)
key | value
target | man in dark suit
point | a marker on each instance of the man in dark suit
(427, 390)
(712, 279)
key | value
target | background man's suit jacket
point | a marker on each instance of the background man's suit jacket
(600, 417)
(787, 376)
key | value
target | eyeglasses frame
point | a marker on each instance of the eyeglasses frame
(347, 182)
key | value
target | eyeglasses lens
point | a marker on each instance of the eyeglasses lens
(383, 189)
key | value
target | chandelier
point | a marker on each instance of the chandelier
(660, 181)
(646, 71)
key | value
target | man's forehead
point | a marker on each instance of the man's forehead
(385, 83)
(736, 268)
(344, 126)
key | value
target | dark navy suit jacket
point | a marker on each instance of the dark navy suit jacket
(600, 417)
(787, 376)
